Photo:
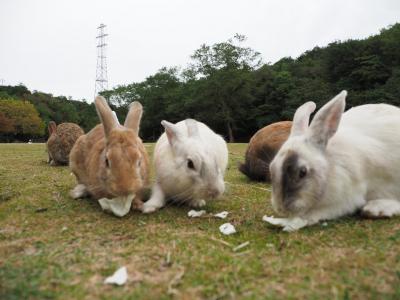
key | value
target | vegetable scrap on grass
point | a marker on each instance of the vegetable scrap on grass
(118, 278)
(288, 224)
(118, 206)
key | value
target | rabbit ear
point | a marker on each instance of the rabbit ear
(134, 116)
(52, 127)
(191, 125)
(301, 118)
(327, 119)
(105, 114)
(172, 132)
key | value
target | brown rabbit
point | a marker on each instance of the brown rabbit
(110, 160)
(61, 140)
(262, 148)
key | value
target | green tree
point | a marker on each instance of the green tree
(224, 72)
(24, 117)
(6, 124)
(160, 96)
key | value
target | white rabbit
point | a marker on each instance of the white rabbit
(190, 162)
(325, 171)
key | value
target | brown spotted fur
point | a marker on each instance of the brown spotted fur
(61, 140)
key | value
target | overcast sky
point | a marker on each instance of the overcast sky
(50, 45)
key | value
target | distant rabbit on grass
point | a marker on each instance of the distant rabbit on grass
(341, 163)
(61, 140)
(111, 162)
(262, 148)
(190, 162)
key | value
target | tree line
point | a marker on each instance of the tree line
(227, 86)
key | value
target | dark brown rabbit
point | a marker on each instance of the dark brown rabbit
(262, 148)
(61, 140)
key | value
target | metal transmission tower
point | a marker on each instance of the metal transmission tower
(101, 69)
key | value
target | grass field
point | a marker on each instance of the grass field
(54, 247)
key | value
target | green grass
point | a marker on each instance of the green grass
(54, 247)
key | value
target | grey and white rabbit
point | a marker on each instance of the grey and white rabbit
(341, 163)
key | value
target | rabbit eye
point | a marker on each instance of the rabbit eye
(107, 163)
(302, 172)
(190, 164)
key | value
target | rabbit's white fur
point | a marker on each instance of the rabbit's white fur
(351, 166)
(208, 153)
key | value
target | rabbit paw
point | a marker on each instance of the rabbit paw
(78, 191)
(381, 208)
(148, 208)
(197, 203)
